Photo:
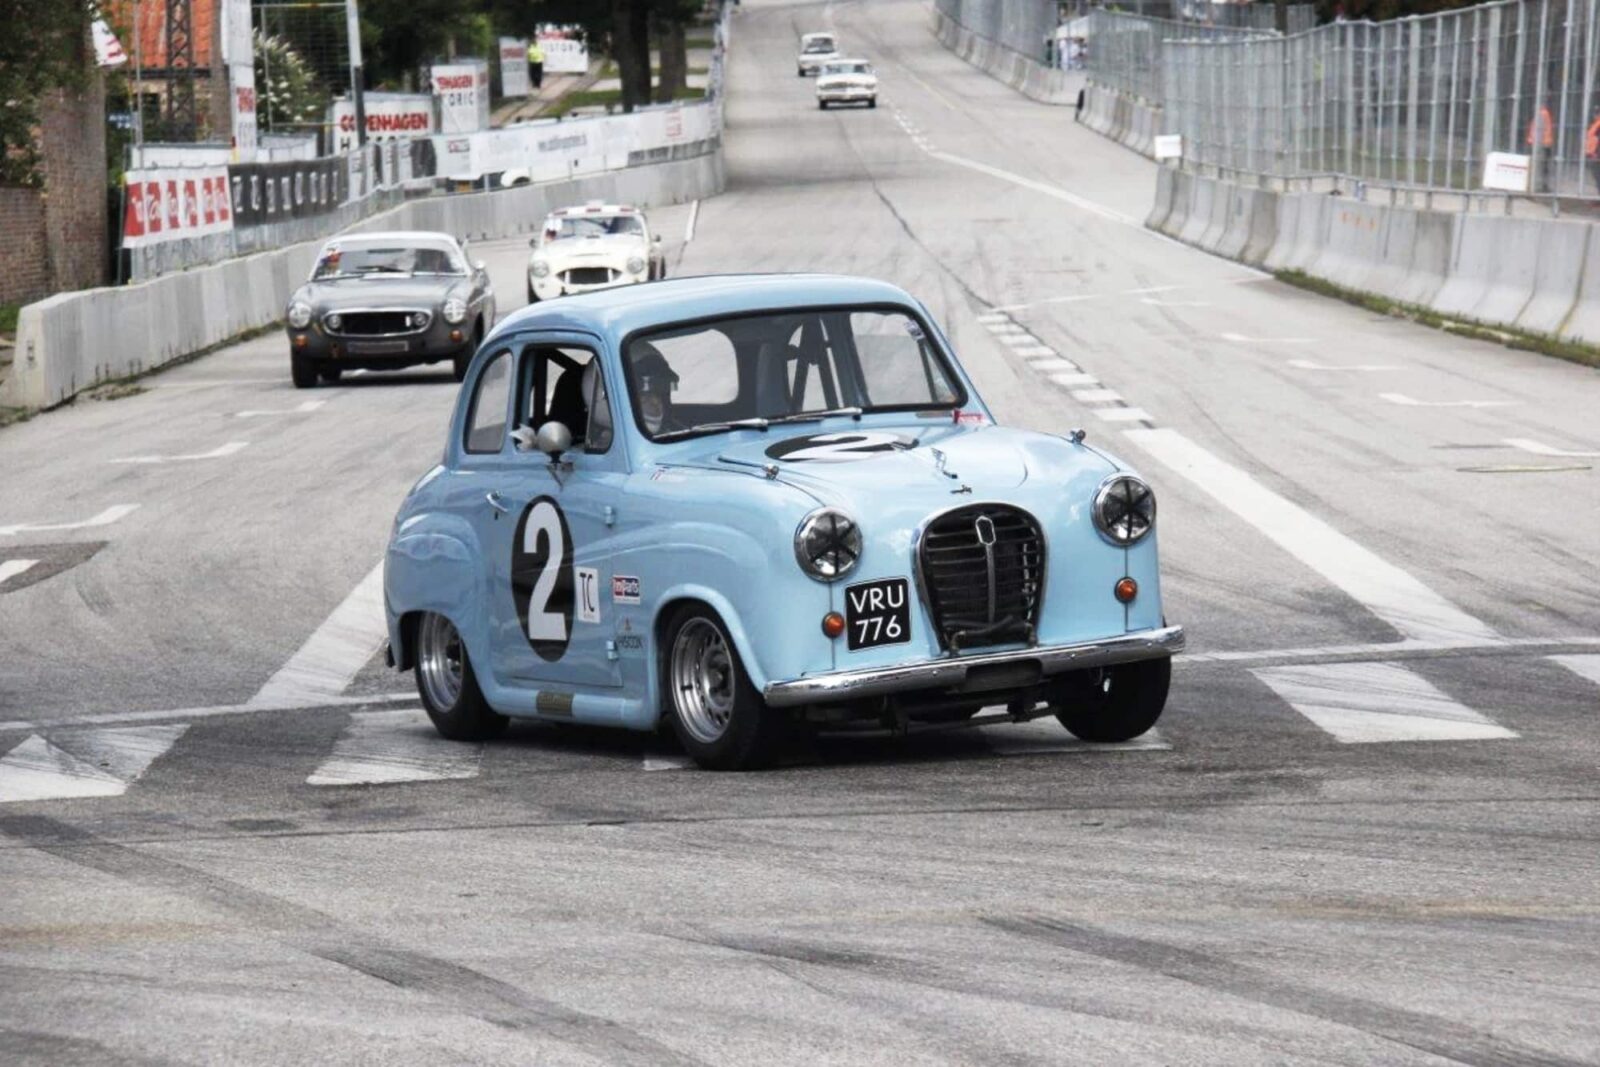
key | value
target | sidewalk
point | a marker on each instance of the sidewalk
(556, 86)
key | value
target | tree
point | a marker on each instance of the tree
(53, 52)
(288, 90)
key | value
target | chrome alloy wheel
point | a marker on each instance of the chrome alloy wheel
(702, 680)
(442, 660)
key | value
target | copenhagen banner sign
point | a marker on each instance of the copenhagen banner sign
(174, 205)
(390, 116)
(463, 92)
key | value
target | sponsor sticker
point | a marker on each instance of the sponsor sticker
(588, 593)
(624, 589)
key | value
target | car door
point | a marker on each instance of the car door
(553, 537)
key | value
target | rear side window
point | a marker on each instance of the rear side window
(486, 424)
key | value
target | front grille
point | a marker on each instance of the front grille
(983, 593)
(590, 276)
(378, 323)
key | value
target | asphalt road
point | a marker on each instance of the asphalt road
(1365, 831)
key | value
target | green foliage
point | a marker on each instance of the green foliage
(45, 46)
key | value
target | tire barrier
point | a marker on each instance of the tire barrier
(1540, 276)
(76, 340)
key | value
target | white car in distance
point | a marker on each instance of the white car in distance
(847, 81)
(815, 50)
(596, 246)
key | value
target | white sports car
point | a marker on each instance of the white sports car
(815, 50)
(847, 81)
(596, 246)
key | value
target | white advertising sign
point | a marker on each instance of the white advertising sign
(514, 67)
(1506, 171)
(463, 92)
(174, 205)
(389, 116)
(243, 81)
(238, 49)
(1168, 146)
(564, 50)
(545, 151)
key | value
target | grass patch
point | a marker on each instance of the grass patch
(8, 318)
(114, 390)
(610, 69)
(1509, 336)
(9, 416)
(699, 42)
(611, 98)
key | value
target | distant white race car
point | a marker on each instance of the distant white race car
(815, 50)
(847, 81)
(596, 246)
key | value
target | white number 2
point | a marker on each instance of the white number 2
(544, 624)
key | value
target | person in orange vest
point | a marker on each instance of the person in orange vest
(1591, 151)
(1541, 138)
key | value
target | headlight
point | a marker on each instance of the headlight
(635, 265)
(827, 544)
(455, 309)
(334, 321)
(419, 319)
(299, 315)
(1124, 509)
(540, 268)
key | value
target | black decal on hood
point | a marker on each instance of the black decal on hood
(845, 447)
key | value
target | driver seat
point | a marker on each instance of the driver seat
(567, 405)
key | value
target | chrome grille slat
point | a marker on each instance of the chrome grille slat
(983, 593)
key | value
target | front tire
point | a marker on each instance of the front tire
(463, 360)
(533, 294)
(302, 370)
(719, 718)
(449, 687)
(872, 103)
(822, 105)
(1113, 704)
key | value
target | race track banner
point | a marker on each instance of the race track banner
(243, 80)
(463, 92)
(564, 50)
(263, 193)
(514, 67)
(175, 205)
(390, 116)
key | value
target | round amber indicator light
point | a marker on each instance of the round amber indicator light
(833, 624)
(1126, 590)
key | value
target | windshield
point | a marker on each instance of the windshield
(820, 44)
(846, 68)
(752, 371)
(559, 228)
(386, 260)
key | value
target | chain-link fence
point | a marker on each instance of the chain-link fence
(1413, 103)
(302, 52)
(1020, 25)
(1129, 53)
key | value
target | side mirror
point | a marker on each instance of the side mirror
(480, 266)
(656, 239)
(554, 438)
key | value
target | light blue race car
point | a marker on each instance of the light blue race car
(752, 505)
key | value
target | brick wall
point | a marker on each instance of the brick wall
(24, 269)
(73, 150)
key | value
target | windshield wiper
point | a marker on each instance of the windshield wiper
(716, 427)
(815, 416)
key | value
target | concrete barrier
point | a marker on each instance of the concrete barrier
(1261, 231)
(1198, 218)
(75, 340)
(1161, 209)
(1582, 319)
(1351, 243)
(1023, 73)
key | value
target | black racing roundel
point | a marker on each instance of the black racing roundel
(846, 447)
(541, 577)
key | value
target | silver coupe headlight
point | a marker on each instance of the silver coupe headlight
(635, 265)
(1124, 509)
(827, 544)
(455, 309)
(299, 315)
(540, 268)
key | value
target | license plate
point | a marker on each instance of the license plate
(378, 348)
(877, 613)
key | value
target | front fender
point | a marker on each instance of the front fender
(431, 565)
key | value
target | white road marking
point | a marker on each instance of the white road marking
(990, 316)
(106, 718)
(1043, 736)
(1096, 396)
(1242, 339)
(1045, 366)
(1384, 589)
(1021, 340)
(85, 763)
(10, 568)
(1124, 414)
(1311, 364)
(229, 449)
(1073, 381)
(1077, 297)
(1539, 449)
(1005, 325)
(668, 763)
(1035, 351)
(332, 656)
(1406, 401)
(1362, 703)
(1583, 666)
(299, 409)
(1153, 302)
(694, 217)
(105, 518)
(1388, 648)
(383, 747)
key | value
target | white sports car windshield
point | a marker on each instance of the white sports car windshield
(818, 47)
(846, 68)
(392, 261)
(593, 226)
(753, 371)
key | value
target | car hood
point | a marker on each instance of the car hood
(610, 248)
(932, 466)
(389, 292)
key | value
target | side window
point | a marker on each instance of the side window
(601, 429)
(555, 387)
(486, 424)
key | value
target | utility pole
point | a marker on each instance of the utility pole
(353, 26)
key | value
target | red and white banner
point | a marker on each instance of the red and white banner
(514, 67)
(175, 205)
(463, 92)
(243, 78)
(107, 49)
(389, 116)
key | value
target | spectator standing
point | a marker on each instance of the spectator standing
(536, 62)
(1591, 151)
(1541, 138)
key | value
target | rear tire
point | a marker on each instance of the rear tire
(302, 370)
(720, 719)
(1113, 704)
(449, 687)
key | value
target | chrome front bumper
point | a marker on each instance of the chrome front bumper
(951, 672)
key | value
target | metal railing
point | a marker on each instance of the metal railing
(1412, 103)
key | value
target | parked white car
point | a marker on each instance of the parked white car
(596, 246)
(815, 50)
(847, 81)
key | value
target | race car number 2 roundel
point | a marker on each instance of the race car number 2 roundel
(541, 577)
(844, 447)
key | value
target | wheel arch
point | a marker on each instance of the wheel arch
(668, 606)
